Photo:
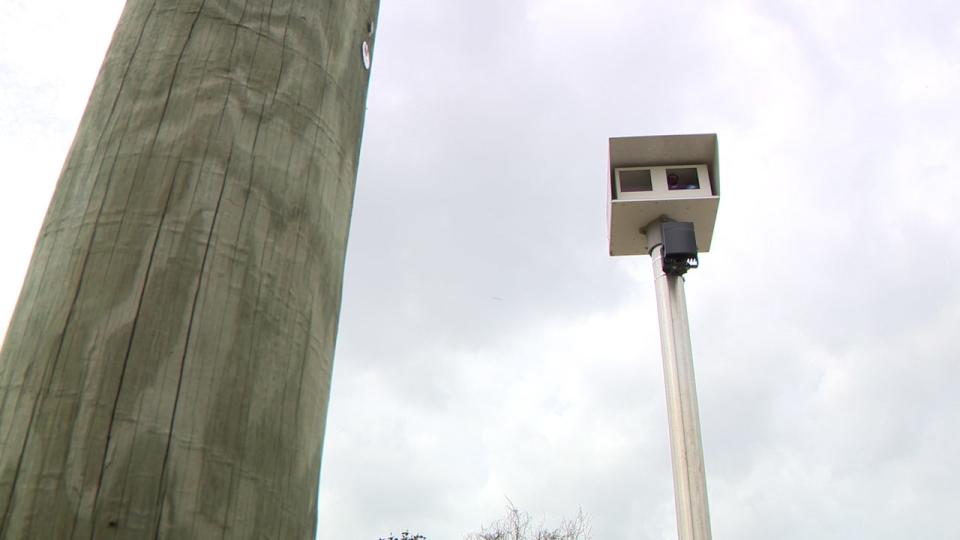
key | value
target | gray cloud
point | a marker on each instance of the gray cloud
(822, 336)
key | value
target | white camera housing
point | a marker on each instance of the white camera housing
(672, 176)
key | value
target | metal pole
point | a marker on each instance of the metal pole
(689, 480)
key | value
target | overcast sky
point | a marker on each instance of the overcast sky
(490, 348)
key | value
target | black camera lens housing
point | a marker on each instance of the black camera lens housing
(679, 247)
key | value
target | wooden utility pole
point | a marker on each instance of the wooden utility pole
(167, 369)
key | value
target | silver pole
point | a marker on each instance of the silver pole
(689, 479)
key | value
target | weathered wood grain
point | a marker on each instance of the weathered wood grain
(167, 369)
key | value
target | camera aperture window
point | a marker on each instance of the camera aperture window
(635, 180)
(685, 178)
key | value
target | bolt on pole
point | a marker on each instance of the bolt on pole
(689, 479)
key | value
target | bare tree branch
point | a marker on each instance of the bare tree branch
(517, 525)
